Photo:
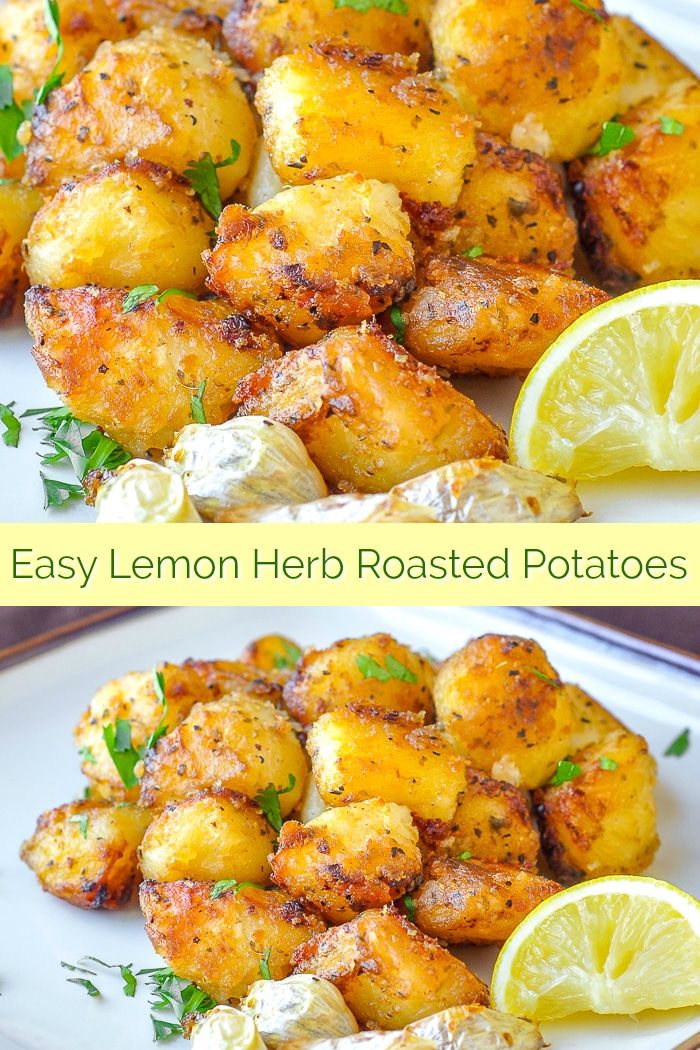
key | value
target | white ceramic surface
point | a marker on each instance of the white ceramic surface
(41, 699)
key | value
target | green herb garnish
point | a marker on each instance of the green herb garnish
(607, 763)
(164, 1029)
(87, 755)
(124, 755)
(52, 18)
(12, 425)
(410, 906)
(544, 677)
(465, 855)
(613, 136)
(178, 995)
(56, 493)
(680, 745)
(264, 966)
(12, 116)
(144, 292)
(82, 819)
(398, 323)
(671, 126)
(268, 799)
(290, 659)
(369, 668)
(588, 10)
(125, 971)
(203, 179)
(196, 405)
(566, 770)
(87, 984)
(394, 7)
(474, 253)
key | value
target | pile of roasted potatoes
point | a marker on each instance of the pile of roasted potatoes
(348, 813)
(354, 199)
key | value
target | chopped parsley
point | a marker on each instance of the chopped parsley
(465, 855)
(474, 252)
(82, 819)
(223, 885)
(87, 984)
(671, 126)
(203, 179)
(544, 677)
(566, 770)
(268, 799)
(607, 763)
(175, 994)
(87, 755)
(12, 425)
(410, 906)
(56, 493)
(196, 405)
(588, 10)
(613, 136)
(394, 7)
(52, 18)
(143, 293)
(369, 668)
(398, 323)
(291, 657)
(264, 966)
(125, 756)
(680, 745)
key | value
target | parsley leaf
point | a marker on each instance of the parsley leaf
(196, 406)
(291, 657)
(223, 885)
(12, 115)
(87, 755)
(369, 668)
(11, 423)
(671, 126)
(82, 819)
(394, 7)
(566, 770)
(203, 179)
(588, 10)
(178, 995)
(398, 323)
(143, 292)
(126, 972)
(474, 253)
(465, 855)
(680, 745)
(161, 729)
(56, 493)
(264, 966)
(117, 737)
(613, 136)
(52, 18)
(268, 799)
(164, 1029)
(544, 677)
(607, 763)
(86, 984)
(409, 905)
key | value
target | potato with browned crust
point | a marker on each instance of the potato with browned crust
(240, 742)
(489, 315)
(85, 852)
(638, 206)
(603, 820)
(592, 721)
(359, 856)
(219, 943)
(363, 752)
(648, 68)
(223, 677)
(274, 654)
(18, 206)
(542, 75)
(333, 108)
(313, 258)
(501, 704)
(133, 698)
(471, 902)
(214, 834)
(387, 971)
(259, 31)
(161, 95)
(375, 670)
(198, 18)
(370, 415)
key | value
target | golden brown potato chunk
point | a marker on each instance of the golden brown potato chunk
(488, 315)
(202, 18)
(503, 707)
(223, 677)
(542, 75)
(388, 972)
(648, 68)
(273, 654)
(470, 902)
(241, 743)
(219, 943)
(335, 108)
(365, 753)
(259, 31)
(375, 670)
(638, 206)
(18, 206)
(603, 821)
(369, 414)
(132, 698)
(592, 721)
(133, 374)
(128, 224)
(359, 856)
(85, 852)
(162, 95)
(214, 834)
(314, 257)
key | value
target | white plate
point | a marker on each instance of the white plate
(634, 496)
(41, 699)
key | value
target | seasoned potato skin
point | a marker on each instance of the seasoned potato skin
(388, 972)
(359, 856)
(362, 753)
(162, 95)
(259, 31)
(242, 743)
(490, 316)
(223, 677)
(470, 902)
(96, 870)
(326, 679)
(202, 18)
(214, 834)
(501, 705)
(638, 206)
(314, 257)
(132, 698)
(274, 654)
(649, 69)
(134, 374)
(369, 414)
(604, 821)
(18, 206)
(543, 76)
(334, 108)
(130, 223)
(218, 944)
(592, 721)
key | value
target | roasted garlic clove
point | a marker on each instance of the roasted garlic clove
(300, 1008)
(225, 1028)
(142, 491)
(477, 1028)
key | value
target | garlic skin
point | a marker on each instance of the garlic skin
(477, 1028)
(144, 492)
(248, 459)
(301, 1009)
(225, 1028)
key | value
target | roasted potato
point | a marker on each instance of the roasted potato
(162, 95)
(273, 654)
(128, 224)
(638, 206)
(493, 822)
(375, 670)
(314, 257)
(603, 821)
(488, 315)
(511, 206)
(648, 68)
(133, 699)
(85, 852)
(219, 943)
(242, 743)
(133, 374)
(369, 414)
(223, 677)
(363, 752)
(18, 206)
(592, 721)
(359, 856)
(215, 834)
(388, 972)
(542, 75)
(259, 31)
(470, 902)
(502, 706)
(199, 18)
(334, 108)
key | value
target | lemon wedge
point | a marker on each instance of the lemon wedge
(617, 945)
(619, 388)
